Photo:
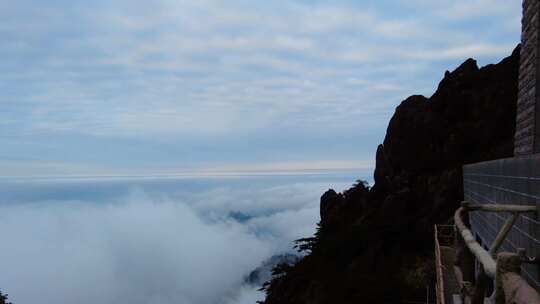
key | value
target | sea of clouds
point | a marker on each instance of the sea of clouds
(142, 242)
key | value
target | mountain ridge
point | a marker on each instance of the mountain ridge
(374, 245)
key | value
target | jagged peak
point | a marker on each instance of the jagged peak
(468, 66)
(414, 100)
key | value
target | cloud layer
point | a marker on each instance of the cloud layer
(136, 253)
(147, 242)
(179, 75)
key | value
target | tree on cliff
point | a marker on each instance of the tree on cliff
(4, 298)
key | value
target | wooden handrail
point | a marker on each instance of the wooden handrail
(510, 286)
(480, 253)
(440, 277)
(499, 207)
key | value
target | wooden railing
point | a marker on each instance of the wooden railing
(444, 237)
(439, 287)
(502, 268)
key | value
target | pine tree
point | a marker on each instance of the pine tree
(4, 298)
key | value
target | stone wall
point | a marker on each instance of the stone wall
(507, 181)
(527, 130)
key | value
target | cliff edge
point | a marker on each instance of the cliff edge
(374, 245)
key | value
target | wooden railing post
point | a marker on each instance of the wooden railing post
(502, 234)
(482, 281)
(506, 262)
(510, 286)
(438, 265)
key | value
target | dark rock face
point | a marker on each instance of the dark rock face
(375, 245)
(332, 204)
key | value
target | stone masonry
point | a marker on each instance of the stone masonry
(527, 137)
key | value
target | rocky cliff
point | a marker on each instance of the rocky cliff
(374, 245)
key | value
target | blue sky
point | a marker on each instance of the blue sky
(161, 87)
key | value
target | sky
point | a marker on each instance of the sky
(167, 87)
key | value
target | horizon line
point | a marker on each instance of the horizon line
(194, 174)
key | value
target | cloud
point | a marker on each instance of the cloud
(269, 200)
(247, 295)
(166, 71)
(140, 252)
(481, 8)
(117, 70)
(147, 245)
(459, 52)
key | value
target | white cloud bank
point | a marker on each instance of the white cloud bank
(139, 252)
(149, 247)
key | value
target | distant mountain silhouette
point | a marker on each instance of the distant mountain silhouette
(374, 245)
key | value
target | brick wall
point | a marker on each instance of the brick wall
(527, 130)
(507, 181)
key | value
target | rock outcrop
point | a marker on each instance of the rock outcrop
(374, 245)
